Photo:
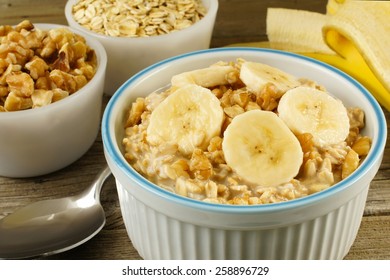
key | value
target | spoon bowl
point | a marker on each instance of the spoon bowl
(53, 226)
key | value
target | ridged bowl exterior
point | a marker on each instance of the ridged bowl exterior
(158, 236)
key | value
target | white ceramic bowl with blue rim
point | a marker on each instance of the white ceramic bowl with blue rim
(163, 225)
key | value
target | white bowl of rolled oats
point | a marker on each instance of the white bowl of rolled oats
(137, 34)
(209, 163)
(50, 106)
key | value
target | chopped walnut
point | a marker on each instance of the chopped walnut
(179, 168)
(362, 145)
(268, 98)
(41, 97)
(200, 165)
(233, 111)
(37, 67)
(350, 164)
(15, 102)
(356, 117)
(20, 84)
(137, 108)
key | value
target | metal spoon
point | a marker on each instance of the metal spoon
(53, 226)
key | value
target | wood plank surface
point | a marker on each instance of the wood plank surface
(237, 21)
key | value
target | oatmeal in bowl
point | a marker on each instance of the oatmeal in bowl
(267, 158)
(244, 133)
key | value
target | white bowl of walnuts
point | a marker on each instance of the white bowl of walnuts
(51, 83)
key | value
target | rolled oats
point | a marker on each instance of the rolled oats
(120, 18)
(41, 67)
(204, 174)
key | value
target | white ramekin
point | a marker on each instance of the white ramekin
(42, 140)
(162, 225)
(127, 56)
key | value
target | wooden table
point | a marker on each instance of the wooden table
(237, 21)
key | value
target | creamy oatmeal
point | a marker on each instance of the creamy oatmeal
(198, 138)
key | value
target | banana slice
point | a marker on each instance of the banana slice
(189, 117)
(206, 77)
(256, 75)
(261, 149)
(309, 110)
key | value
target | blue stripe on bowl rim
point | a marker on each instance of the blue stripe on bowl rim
(117, 157)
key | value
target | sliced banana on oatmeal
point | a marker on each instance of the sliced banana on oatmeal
(256, 75)
(206, 77)
(189, 117)
(309, 110)
(261, 149)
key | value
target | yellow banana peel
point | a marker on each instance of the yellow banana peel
(358, 32)
(358, 69)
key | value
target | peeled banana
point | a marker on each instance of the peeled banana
(360, 31)
(301, 31)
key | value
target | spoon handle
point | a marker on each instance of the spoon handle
(98, 182)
